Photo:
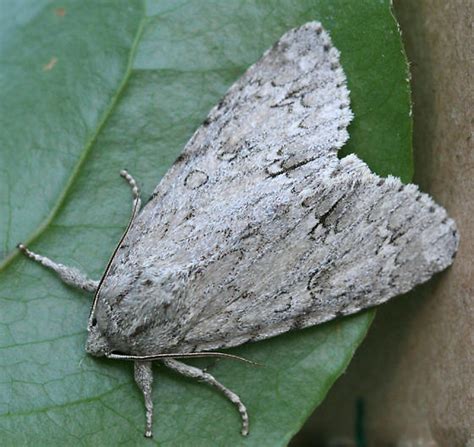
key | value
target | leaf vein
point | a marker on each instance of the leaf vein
(85, 152)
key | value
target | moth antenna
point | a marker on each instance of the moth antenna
(181, 356)
(137, 203)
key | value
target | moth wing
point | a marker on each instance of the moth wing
(259, 228)
(343, 240)
(290, 107)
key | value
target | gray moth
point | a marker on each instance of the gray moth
(258, 228)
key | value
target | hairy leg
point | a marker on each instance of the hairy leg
(144, 380)
(137, 203)
(69, 275)
(199, 374)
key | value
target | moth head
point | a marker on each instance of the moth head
(96, 344)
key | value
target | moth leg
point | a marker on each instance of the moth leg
(144, 379)
(135, 190)
(69, 275)
(199, 374)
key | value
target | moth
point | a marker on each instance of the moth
(258, 228)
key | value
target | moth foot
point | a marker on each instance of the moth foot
(242, 411)
(148, 434)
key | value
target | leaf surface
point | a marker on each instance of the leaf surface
(89, 88)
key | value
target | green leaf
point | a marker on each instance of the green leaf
(91, 87)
